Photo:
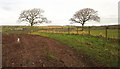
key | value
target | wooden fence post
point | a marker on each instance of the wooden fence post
(62, 30)
(89, 30)
(68, 30)
(46, 30)
(77, 30)
(51, 30)
(106, 32)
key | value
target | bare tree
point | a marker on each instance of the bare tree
(33, 16)
(84, 15)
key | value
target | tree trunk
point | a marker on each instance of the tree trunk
(31, 24)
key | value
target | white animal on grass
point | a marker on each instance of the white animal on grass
(18, 39)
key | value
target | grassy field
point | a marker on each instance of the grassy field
(98, 49)
(18, 29)
(111, 33)
(95, 31)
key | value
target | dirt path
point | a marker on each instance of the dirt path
(37, 51)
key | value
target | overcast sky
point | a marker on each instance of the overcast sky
(59, 11)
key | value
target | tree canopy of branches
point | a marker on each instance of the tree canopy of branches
(85, 15)
(33, 16)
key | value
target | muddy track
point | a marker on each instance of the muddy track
(37, 51)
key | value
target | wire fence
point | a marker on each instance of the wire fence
(103, 31)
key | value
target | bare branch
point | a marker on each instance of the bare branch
(84, 15)
(33, 16)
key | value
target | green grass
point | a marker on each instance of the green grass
(16, 29)
(112, 33)
(104, 52)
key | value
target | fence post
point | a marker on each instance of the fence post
(106, 32)
(46, 30)
(68, 30)
(77, 30)
(52, 30)
(62, 30)
(89, 30)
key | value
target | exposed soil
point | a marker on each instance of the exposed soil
(37, 51)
